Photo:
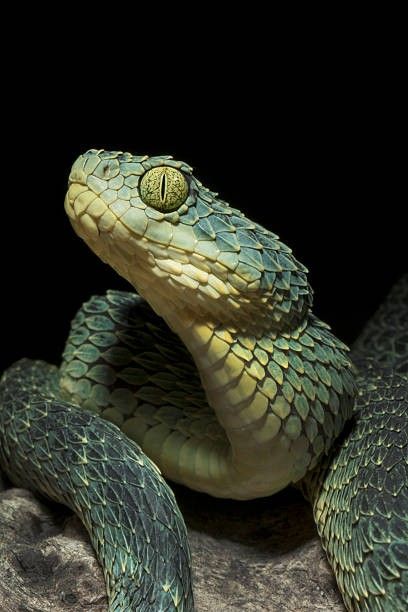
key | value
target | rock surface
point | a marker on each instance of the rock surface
(251, 556)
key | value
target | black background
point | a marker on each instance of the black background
(324, 171)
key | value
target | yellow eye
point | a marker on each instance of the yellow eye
(164, 188)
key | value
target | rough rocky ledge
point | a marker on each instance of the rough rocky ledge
(251, 556)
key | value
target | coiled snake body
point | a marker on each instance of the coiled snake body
(220, 372)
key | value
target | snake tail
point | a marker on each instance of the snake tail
(74, 457)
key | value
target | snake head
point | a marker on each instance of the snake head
(180, 245)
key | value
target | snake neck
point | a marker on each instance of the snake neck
(282, 397)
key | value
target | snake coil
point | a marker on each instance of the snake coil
(218, 373)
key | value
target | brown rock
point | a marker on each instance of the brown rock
(46, 560)
(251, 556)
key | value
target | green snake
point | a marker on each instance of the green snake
(217, 375)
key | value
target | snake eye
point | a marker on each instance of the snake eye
(164, 188)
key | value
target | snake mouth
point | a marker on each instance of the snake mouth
(78, 198)
(78, 206)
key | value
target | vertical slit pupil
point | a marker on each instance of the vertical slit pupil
(163, 188)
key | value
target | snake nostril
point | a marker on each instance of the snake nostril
(105, 169)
